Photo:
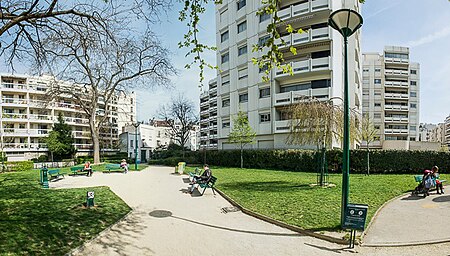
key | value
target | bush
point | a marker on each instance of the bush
(19, 166)
(381, 161)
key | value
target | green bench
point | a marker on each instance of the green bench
(78, 170)
(113, 168)
(209, 184)
(418, 178)
(55, 174)
(193, 174)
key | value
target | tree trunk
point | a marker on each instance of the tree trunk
(95, 142)
(368, 160)
(242, 157)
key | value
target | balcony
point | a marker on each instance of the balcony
(14, 116)
(282, 126)
(14, 87)
(64, 105)
(395, 131)
(396, 96)
(294, 11)
(13, 101)
(396, 107)
(396, 119)
(396, 84)
(309, 65)
(81, 134)
(39, 118)
(396, 60)
(396, 72)
(287, 98)
(311, 35)
(83, 146)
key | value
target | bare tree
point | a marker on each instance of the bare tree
(367, 133)
(181, 116)
(101, 63)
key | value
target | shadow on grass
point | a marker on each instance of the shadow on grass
(237, 230)
(268, 186)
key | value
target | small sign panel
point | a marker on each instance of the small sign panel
(355, 216)
(90, 194)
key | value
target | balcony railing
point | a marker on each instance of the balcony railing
(396, 119)
(396, 107)
(395, 84)
(395, 131)
(396, 72)
(14, 116)
(299, 9)
(14, 101)
(309, 65)
(282, 126)
(396, 96)
(307, 36)
(287, 98)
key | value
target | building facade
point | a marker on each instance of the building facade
(426, 131)
(28, 117)
(317, 68)
(391, 96)
(208, 117)
(447, 131)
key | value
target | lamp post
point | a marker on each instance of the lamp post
(346, 22)
(136, 125)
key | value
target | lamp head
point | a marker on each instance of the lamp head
(345, 21)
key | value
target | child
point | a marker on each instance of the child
(88, 168)
(435, 171)
(124, 165)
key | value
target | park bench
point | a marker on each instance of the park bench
(55, 174)
(418, 178)
(209, 184)
(193, 174)
(113, 168)
(77, 170)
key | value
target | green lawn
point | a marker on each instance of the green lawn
(288, 196)
(35, 221)
(101, 167)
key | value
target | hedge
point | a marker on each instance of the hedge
(19, 166)
(381, 161)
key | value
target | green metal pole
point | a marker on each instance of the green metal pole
(346, 150)
(136, 149)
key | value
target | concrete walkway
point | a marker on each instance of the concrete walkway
(411, 220)
(167, 221)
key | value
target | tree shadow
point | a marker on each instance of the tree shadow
(441, 199)
(186, 180)
(412, 198)
(267, 186)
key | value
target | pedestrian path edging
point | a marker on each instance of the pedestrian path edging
(282, 224)
(81, 247)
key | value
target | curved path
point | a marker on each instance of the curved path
(167, 221)
(411, 220)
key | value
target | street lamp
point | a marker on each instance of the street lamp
(346, 22)
(136, 125)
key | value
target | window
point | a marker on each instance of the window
(131, 143)
(225, 58)
(321, 83)
(264, 16)
(242, 74)
(413, 72)
(224, 36)
(264, 93)
(396, 55)
(413, 105)
(412, 128)
(263, 40)
(223, 14)
(377, 115)
(376, 127)
(225, 124)
(377, 81)
(365, 70)
(225, 103)
(243, 98)
(413, 83)
(377, 70)
(413, 94)
(365, 92)
(240, 4)
(377, 104)
(226, 80)
(242, 27)
(263, 118)
(242, 50)
(377, 93)
(295, 87)
(263, 68)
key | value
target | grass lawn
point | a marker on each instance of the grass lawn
(288, 196)
(35, 221)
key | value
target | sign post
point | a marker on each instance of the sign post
(90, 199)
(355, 219)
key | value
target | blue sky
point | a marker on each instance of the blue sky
(424, 26)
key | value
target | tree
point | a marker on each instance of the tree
(241, 133)
(60, 140)
(181, 116)
(367, 133)
(317, 123)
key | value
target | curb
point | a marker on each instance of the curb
(282, 224)
(79, 248)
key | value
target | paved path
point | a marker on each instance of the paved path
(412, 220)
(197, 225)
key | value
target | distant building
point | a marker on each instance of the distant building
(391, 90)
(425, 131)
(208, 117)
(447, 131)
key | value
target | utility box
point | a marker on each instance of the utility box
(90, 199)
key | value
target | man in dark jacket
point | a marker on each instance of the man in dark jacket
(206, 175)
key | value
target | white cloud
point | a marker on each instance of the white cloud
(430, 37)
(371, 15)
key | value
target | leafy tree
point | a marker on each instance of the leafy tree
(60, 140)
(181, 116)
(241, 133)
(367, 133)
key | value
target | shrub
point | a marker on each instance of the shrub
(19, 166)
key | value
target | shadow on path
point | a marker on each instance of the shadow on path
(441, 199)
(238, 230)
(412, 197)
(324, 248)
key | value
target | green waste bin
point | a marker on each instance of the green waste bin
(181, 166)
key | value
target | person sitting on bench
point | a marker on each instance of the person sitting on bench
(206, 175)
(124, 165)
(88, 168)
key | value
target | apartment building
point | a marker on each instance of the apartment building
(317, 68)
(447, 131)
(426, 131)
(27, 118)
(208, 117)
(438, 134)
(391, 96)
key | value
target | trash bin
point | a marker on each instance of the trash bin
(181, 166)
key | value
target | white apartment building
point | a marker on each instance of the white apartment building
(208, 117)
(447, 131)
(152, 136)
(438, 134)
(317, 68)
(27, 118)
(426, 131)
(391, 96)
